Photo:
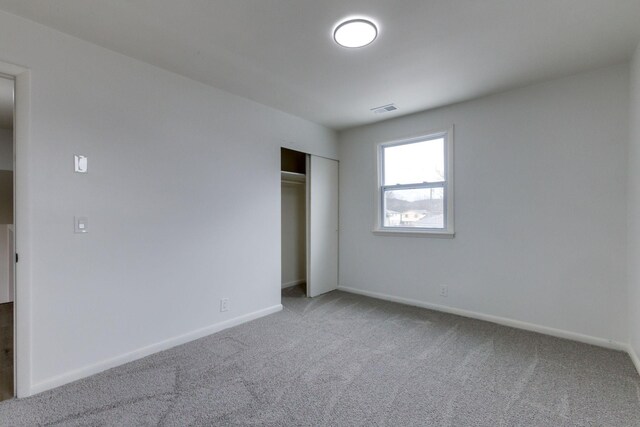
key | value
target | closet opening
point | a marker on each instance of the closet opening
(294, 213)
(309, 224)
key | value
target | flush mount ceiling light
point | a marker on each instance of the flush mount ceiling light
(355, 33)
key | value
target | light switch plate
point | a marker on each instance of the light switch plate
(81, 224)
(81, 163)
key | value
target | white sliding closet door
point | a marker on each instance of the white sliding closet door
(322, 241)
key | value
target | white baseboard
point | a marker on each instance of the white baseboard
(293, 283)
(148, 350)
(600, 342)
(634, 357)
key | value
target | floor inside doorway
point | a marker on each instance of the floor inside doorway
(6, 351)
(297, 291)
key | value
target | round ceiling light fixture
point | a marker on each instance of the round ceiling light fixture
(355, 33)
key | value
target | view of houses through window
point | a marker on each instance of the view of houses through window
(414, 184)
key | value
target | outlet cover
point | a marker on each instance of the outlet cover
(444, 291)
(224, 304)
(81, 224)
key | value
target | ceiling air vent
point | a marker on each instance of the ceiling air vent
(384, 109)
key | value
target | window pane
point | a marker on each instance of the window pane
(422, 207)
(414, 163)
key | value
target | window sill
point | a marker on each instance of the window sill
(441, 234)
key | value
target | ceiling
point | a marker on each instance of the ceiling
(6, 103)
(429, 53)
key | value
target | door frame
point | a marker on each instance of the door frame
(21, 219)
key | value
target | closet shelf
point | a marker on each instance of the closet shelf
(292, 177)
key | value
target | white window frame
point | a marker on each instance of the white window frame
(446, 185)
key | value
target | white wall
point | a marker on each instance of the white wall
(6, 149)
(182, 180)
(540, 207)
(294, 229)
(634, 209)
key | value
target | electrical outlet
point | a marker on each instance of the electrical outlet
(224, 304)
(444, 291)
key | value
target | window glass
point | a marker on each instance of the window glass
(414, 163)
(418, 207)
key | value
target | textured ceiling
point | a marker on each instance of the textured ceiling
(280, 53)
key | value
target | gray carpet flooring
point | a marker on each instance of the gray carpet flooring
(347, 360)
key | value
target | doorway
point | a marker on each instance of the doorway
(309, 224)
(7, 238)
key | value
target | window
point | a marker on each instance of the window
(415, 188)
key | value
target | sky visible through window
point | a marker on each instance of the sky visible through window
(414, 163)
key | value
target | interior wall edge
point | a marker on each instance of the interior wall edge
(504, 321)
(634, 357)
(633, 225)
